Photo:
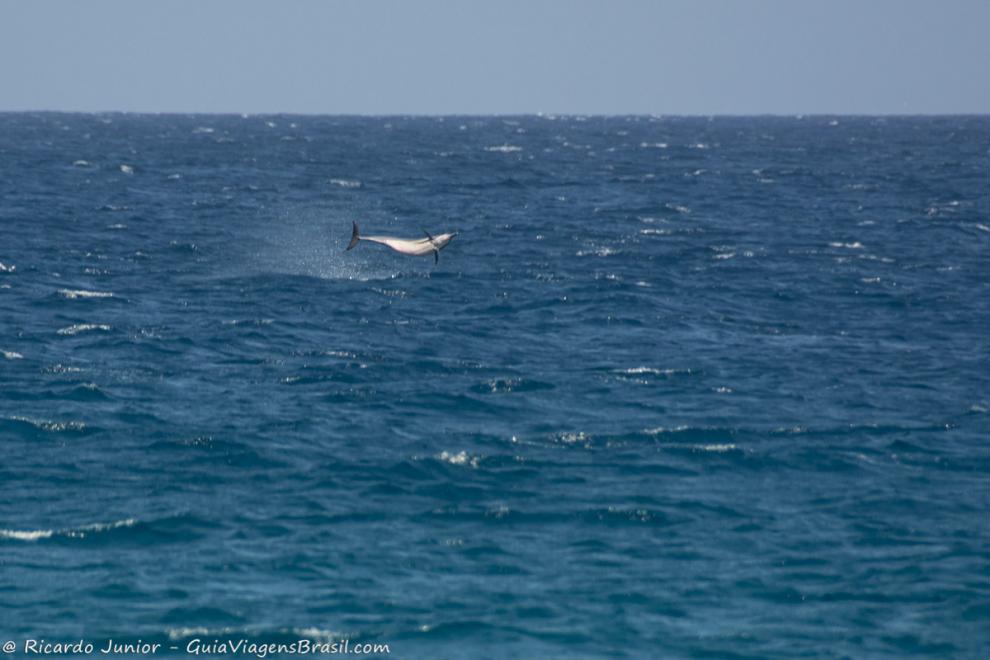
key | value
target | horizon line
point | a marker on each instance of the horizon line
(537, 114)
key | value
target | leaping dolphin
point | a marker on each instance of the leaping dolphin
(413, 247)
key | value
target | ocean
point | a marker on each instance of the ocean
(679, 388)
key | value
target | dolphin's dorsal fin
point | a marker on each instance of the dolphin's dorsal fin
(428, 235)
(355, 236)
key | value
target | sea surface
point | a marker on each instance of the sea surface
(680, 387)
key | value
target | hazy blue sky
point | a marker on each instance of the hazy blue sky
(500, 56)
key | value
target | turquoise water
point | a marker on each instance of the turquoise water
(679, 388)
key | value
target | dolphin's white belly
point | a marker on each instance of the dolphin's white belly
(416, 248)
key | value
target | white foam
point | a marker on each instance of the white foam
(83, 327)
(504, 148)
(634, 371)
(460, 458)
(81, 532)
(598, 252)
(12, 355)
(72, 294)
(47, 425)
(80, 163)
(319, 634)
(7, 269)
(572, 438)
(346, 183)
(74, 532)
(653, 145)
(18, 535)
(856, 245)
(127, 169)
(660, 430)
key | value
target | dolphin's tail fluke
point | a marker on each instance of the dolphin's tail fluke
(355, 237)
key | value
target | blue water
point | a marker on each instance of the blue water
(679, 388)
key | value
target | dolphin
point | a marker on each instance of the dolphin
(414, 247)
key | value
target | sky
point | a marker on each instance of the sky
(692, 57)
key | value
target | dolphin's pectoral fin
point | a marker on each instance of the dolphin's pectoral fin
(436, 256)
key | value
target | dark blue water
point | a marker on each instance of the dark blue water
(679, 388)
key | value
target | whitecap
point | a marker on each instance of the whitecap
(75, 532)
(175, 634)
(7, 269)
(127, 169)
(48, 425)
(319, 634)
(504, 148)
(346, 183)
(856, 245)
(653, 145)
(61, 369)
(83, 327)
(460, 458)
(636, 371)
(599, 252)
(12, 355)
(203, 129)
(72, 294)
(662, 430)
(572, 438)
(19, 535)
(82, 532)
(80, 163)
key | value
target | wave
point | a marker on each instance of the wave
(46, 425)
(12, 355)
(82, 327)
(635, 371)
(73, 294)
(460, 458)
(73, 533)
(504, 148)
(346, 183)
